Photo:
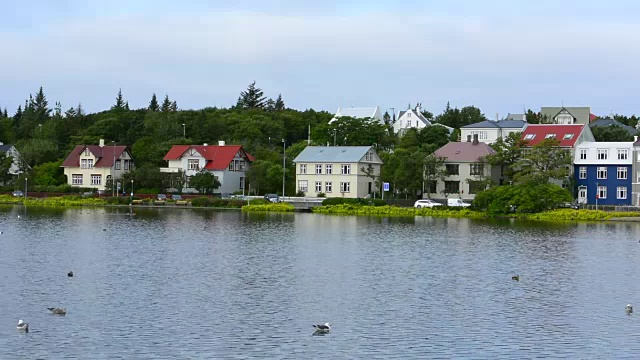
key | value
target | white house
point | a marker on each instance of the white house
(10, 150)
(567, 115)
(490, 131)
(359, 113)
(90, 166)
(338, 171)
(228, 163)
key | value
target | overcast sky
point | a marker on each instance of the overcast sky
(499, 55)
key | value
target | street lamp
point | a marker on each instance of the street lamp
(25, 187)
(284, 165)
(131, 190)
(184, 131)
(113, 174)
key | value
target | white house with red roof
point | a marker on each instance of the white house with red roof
(228, 163)
(568, 135)
(90, 166)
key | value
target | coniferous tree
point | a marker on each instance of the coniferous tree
(174, 106)
(166, 104)
(126, 105)
(270, 105)
(80, 110)
(18, 115)
(279, 105)
(57, 110)
(120, 103)
(252, 98)
(153, 104)
(6, 114)
(40, 104)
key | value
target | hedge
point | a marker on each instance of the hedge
(274, 207)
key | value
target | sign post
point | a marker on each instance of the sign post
(385, 187)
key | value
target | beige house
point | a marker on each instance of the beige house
(90, 166)
(338, 171)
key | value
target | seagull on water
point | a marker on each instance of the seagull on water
(58, 311)
(70, 274)
(515, 277)
(628, 308)
(23, 326)
(325, 328)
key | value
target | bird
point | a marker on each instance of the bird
(23, 326)
(104, 229)
(58, 311)
(628, 308)
(18, 216)
(515, 277)
(70, 274)
(323, 328)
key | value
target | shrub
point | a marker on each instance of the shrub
(378, 202)
(338, 201)
(258, 202)
(300, 194)
(321, 195)
(526, 198)
(200, 201)
(278, 207)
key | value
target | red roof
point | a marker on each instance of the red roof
(218, 157)
(566, 134)
(464, 151)
(103, 154)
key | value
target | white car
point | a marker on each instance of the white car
(426, 203)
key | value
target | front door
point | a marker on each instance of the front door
(582, 195)
(369, 188)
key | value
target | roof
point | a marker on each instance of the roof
(522, 117)
(5, 147)
(605, 145)
(504, 124)
(566, 134)
(218, 157)
(104, 155)
(417, 114)
(582, 113)
(613, 122)
(332, 154)
(359, 113)
(464, 151)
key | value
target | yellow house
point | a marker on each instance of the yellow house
(338, 171)
(90, 166)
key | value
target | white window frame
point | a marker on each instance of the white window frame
(328, 187)
(345, 169)
(116, 165)
(529, 136)
(602, 192)
(303, 185)
(83, 164)
(76, 179)
(567, 137)
(318, 169)
(318, 186)
(550, 136)
(127, 165)
(328, 169)
(96, 179)
(193, 164)
(345, 187)
(603, 154)
(623, 154)
(621, 192)
(583, 154)
(622, 173)
(583, 172)
(303, 169)
(601, 173)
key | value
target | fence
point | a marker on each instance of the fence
(625, 208)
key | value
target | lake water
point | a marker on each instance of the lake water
(189, 284)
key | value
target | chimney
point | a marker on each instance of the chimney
(475, 139)
(205, 144)
(635, 139)
(101, 142)
(468, 138)
(221, 143)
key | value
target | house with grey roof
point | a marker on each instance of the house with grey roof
(522, 117)
(567, 115)
(359, 113)
(338, 171)
(613, 122)
(467, 171)
(489, 131)
(413, 119)
(10, 150)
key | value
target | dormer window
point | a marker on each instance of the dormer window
(550, 136)
(529, 136)
(568, 136)
(87, 152)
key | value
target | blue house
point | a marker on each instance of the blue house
(603, 172)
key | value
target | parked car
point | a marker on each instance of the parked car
(568, 205)
(457, 203)
(274, 198)
(176, 197)
(18, 193)
(162, 197)
(426, 203)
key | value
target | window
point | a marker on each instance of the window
(476, 169)
(241, 183)
(346, 170)
(432, 186)
(622, 173)
(638, 177)
(602, 192)
(408, 123)
(318, 186)
(76, 179)
(476, 187)
(368, 156)
(602, 173)
(452, 169)
(242, 165)
(126, 164)
(622, 192)
(327, 187)
(583, 154)
(451, 187)
(87, 152)
(550, 136)
(529, 136)
(345, 187)
(83, 164)
(303, 168)
(234, 165)
(96, 179)
(318, 169)
(602, 154)
(303, 185)
(567, 136)
(328, 169)
(623, 154)
(194, 164)
(583, 172)
(117, 164)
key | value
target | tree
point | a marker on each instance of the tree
(252, 98)
(120, 103)
(521, 197)
(456, 118)
(544, 161)
(508, 151)
(177, 180)
(166, 104)
(611, 133)
(435, 135)
(153, 104)
(174, 106)
(279, 105)
(204, 182)
(49, 173)
(370, 172)
(434, 170)
(5, 166)
(40, 106)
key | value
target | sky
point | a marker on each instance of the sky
(502, 56)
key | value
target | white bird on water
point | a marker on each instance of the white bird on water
(628, 308)
(325, 328)
(23, 326)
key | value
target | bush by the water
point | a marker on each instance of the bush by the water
(357, 201)
(69, 200)
(524, 198)
(355, 209)
(274, 207)
(204, 201)
(582, 215)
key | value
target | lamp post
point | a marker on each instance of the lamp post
(25, 187)
(113, 175)
(284, 165)
(597, 194)
(131, 190)
(184, 131)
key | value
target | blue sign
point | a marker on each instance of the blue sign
(385, 186)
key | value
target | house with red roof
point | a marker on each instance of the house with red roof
(90, 166)
(466, 170)
(568, 135)
(228, 163)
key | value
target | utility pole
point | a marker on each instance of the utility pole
(284, 165)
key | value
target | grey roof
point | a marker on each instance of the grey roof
(504, 124)
(613, 122)
(5, 148)
(522, 117)
(331, 154)
(582, 114)
(464, 151)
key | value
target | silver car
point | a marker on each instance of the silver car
(426, 203)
